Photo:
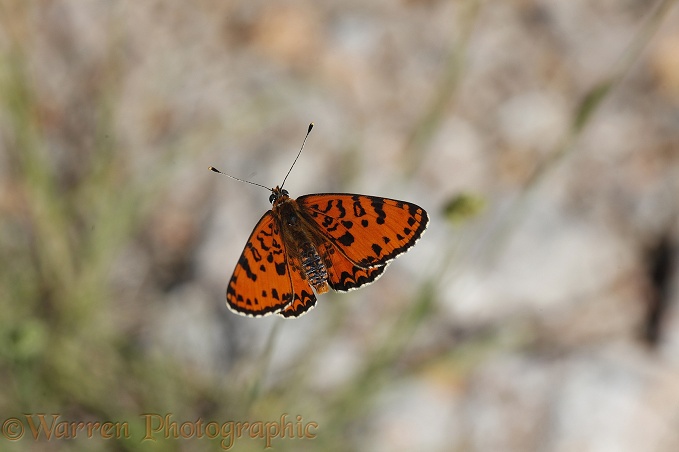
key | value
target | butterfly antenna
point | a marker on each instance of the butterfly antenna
(311, 126)
(212, 168)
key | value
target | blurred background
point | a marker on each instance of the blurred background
(538, 312)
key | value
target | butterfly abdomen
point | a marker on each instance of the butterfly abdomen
(314, 268)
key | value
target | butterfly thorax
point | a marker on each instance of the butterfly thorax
(301, 244)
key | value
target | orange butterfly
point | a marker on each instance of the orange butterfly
(320, 241)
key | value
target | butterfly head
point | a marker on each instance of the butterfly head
(278, 194)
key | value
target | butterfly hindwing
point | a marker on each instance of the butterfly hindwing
(344, 275)
(370, 231)
(261, 283)
(304, 300)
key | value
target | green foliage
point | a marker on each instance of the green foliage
(463, 207)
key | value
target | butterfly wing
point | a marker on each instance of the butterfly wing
(344, 275)
(304, 300)
(370, 231)
(261, 283)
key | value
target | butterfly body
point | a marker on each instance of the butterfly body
(320, 241)
(300, 240)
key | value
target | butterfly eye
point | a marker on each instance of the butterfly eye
(285, 192)
(272, 198)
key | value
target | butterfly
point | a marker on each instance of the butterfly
(303, 247)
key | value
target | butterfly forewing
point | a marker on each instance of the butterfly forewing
(261, 283)
(370, 231)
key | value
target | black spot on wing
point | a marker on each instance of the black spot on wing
(359, 211)
(377, 207)
(342, 210)
(255, 254)
(245, 265)
(347, 239)
(328, 206)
